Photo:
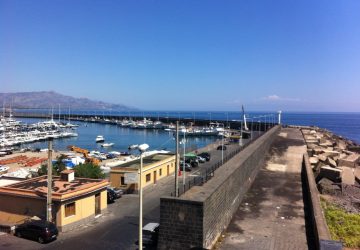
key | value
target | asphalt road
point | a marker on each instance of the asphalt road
(117, 228)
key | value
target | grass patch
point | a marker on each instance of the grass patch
(343, 226)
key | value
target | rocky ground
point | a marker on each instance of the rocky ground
(336, 165)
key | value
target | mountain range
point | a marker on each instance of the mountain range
(48, 99)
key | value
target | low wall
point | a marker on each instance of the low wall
(318, 222)
(197, 218)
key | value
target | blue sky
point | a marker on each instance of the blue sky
(186, 55)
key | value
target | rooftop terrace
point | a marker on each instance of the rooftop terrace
(37, 187)
(147, 161)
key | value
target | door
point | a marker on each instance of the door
(168, 170)
(97, 204)
(154, 176)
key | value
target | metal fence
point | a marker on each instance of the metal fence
(206, 173)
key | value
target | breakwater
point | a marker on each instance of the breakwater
(258, 125)
(197, 218)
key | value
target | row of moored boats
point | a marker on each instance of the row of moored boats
(13, 132)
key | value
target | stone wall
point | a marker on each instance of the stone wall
(197, 218)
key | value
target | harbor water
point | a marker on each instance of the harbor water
(121, 137)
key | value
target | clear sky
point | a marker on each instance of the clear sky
(186, 55)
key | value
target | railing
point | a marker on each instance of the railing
(208, 172)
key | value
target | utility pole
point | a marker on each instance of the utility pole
(177, 160)
(49, 183)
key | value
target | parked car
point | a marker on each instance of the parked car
(116, 192)
(221, 147)
(151, 234)
(110, 196)
(40, 230)
(188, 167)
(201, 159)
(205, 155)
(192, 161)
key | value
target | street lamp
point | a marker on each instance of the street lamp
(142, 148)
(222, 144)
(222, 140)
(240, 141)
(183, 141)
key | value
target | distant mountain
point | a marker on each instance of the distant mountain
(48, 99)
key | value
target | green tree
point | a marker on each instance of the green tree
(89, 170)
(58, 166)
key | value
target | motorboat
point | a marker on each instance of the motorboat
(105, 145)
(134, 146)
(100, 138)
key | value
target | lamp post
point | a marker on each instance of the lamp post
(240, 141)
(49, 183)
(142, 148)
(177, 160)
(184, 142)
(222, 144)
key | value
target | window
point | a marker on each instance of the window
(122, 180)
(148, 177)
(160, 171)
(69, 209)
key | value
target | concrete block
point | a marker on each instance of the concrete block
(341, 144)
(326, 143)
(342, 155)
(310, 137)
(357, 174)
(312, 145)
(318, 150)
(331, 153)
(349, 161)
(313, 160)
(330, 173)
(312, 141)
(305, 131)
(347, 175)
(331, 162)
(322, 157)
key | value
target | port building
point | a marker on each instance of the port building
(155, 167)
(75, 200)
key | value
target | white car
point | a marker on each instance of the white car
(200, 159)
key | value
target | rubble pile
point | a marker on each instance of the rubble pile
(335, 162)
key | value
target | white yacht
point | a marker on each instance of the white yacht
(100, 138)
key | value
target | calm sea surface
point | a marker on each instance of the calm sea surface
(344, 124)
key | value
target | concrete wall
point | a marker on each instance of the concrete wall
(197, 218)
(22, 205)
(318, 221)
